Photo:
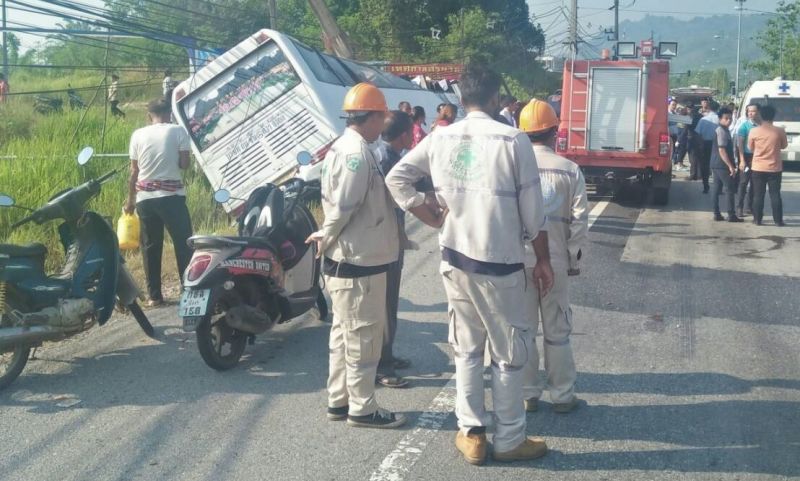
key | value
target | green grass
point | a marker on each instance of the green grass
(47, 146)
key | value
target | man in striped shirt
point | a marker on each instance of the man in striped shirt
(158, 153)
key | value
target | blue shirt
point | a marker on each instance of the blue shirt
(707, 126)
(744, 132)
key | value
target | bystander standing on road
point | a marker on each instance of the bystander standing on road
(167, 86)
(359, 241)
(486, 174)
(158, 153)
(405, 106)
(745, 160)
(397, 139)
(4, 89)
(681, 146)
(447, 115)
(419, 122)
(565, 201)
(707, 129)
(766, 141)
(723, 164)
(113, 99)
(509, 106)
(695, 144)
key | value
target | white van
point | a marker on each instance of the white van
(784, 95)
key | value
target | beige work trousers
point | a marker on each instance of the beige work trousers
(484, 307)
(359, 319)
(559, 366)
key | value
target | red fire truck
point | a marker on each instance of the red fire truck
(614, 123)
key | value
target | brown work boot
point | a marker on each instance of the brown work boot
(532, 404)
(531, 448)
(472, 446)
(569, 406)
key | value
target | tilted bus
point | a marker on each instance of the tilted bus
(255, 107)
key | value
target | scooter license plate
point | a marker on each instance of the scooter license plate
(194, 303)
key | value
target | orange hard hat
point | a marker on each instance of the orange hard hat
(365, 97)
(536, 117)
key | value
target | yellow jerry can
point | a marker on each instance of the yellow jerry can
(128, 231)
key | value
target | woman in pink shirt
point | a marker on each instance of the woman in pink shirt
(766, 142)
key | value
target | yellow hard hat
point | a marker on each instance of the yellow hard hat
(536, 117)
(365, 97)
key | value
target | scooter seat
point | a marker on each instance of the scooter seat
(30, 250)
(207, 241)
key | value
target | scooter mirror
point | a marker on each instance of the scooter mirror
(304, 158)
(222, 196)
(85, 155)
(6, 201)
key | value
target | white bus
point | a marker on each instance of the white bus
(254, 108)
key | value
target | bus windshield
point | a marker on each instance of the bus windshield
(237, 94)
(787, 109)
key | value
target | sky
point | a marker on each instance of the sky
(593, 15)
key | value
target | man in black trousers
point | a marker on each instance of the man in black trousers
(158, 153)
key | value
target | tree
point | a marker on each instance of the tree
(780, 42)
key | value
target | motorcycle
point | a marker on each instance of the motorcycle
(237, 287)
(35, 307)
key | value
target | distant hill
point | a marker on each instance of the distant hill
(704, 43)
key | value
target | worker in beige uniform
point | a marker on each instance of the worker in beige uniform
(564, 193)
(485, 173)
(359, 240)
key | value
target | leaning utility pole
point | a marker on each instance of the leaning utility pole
(5, 43)
(573, 28)
(339, 42)
(273, 14)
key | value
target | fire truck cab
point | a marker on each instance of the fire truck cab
(614, 123)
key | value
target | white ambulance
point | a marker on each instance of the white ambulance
(784, 95)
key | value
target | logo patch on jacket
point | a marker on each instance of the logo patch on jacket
(551, 196)
(353, 162)
(465, 163)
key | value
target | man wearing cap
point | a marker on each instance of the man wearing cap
(359, 241)
(485, 173)
(564, 194)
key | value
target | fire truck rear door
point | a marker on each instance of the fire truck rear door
(614, 111)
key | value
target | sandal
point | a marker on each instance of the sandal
(391, 381)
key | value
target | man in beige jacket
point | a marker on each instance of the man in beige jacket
(359, 240)
(485, 173)
(564, 194)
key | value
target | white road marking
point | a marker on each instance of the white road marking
(398, 463)
(597, 211)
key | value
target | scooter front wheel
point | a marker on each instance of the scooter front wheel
(12, 362)
(220, 345)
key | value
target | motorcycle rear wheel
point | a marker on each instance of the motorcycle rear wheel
(12, 362)
(213, 337)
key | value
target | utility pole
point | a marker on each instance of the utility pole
(616, 23)
(340, 44)
(273, 14)
(573, 28)
(781, 70)
(5, 43)
(739, 43)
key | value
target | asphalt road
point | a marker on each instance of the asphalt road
(686, 340)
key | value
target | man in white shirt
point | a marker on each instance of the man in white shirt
(485, 176)
(158, 153)
(509, 104)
